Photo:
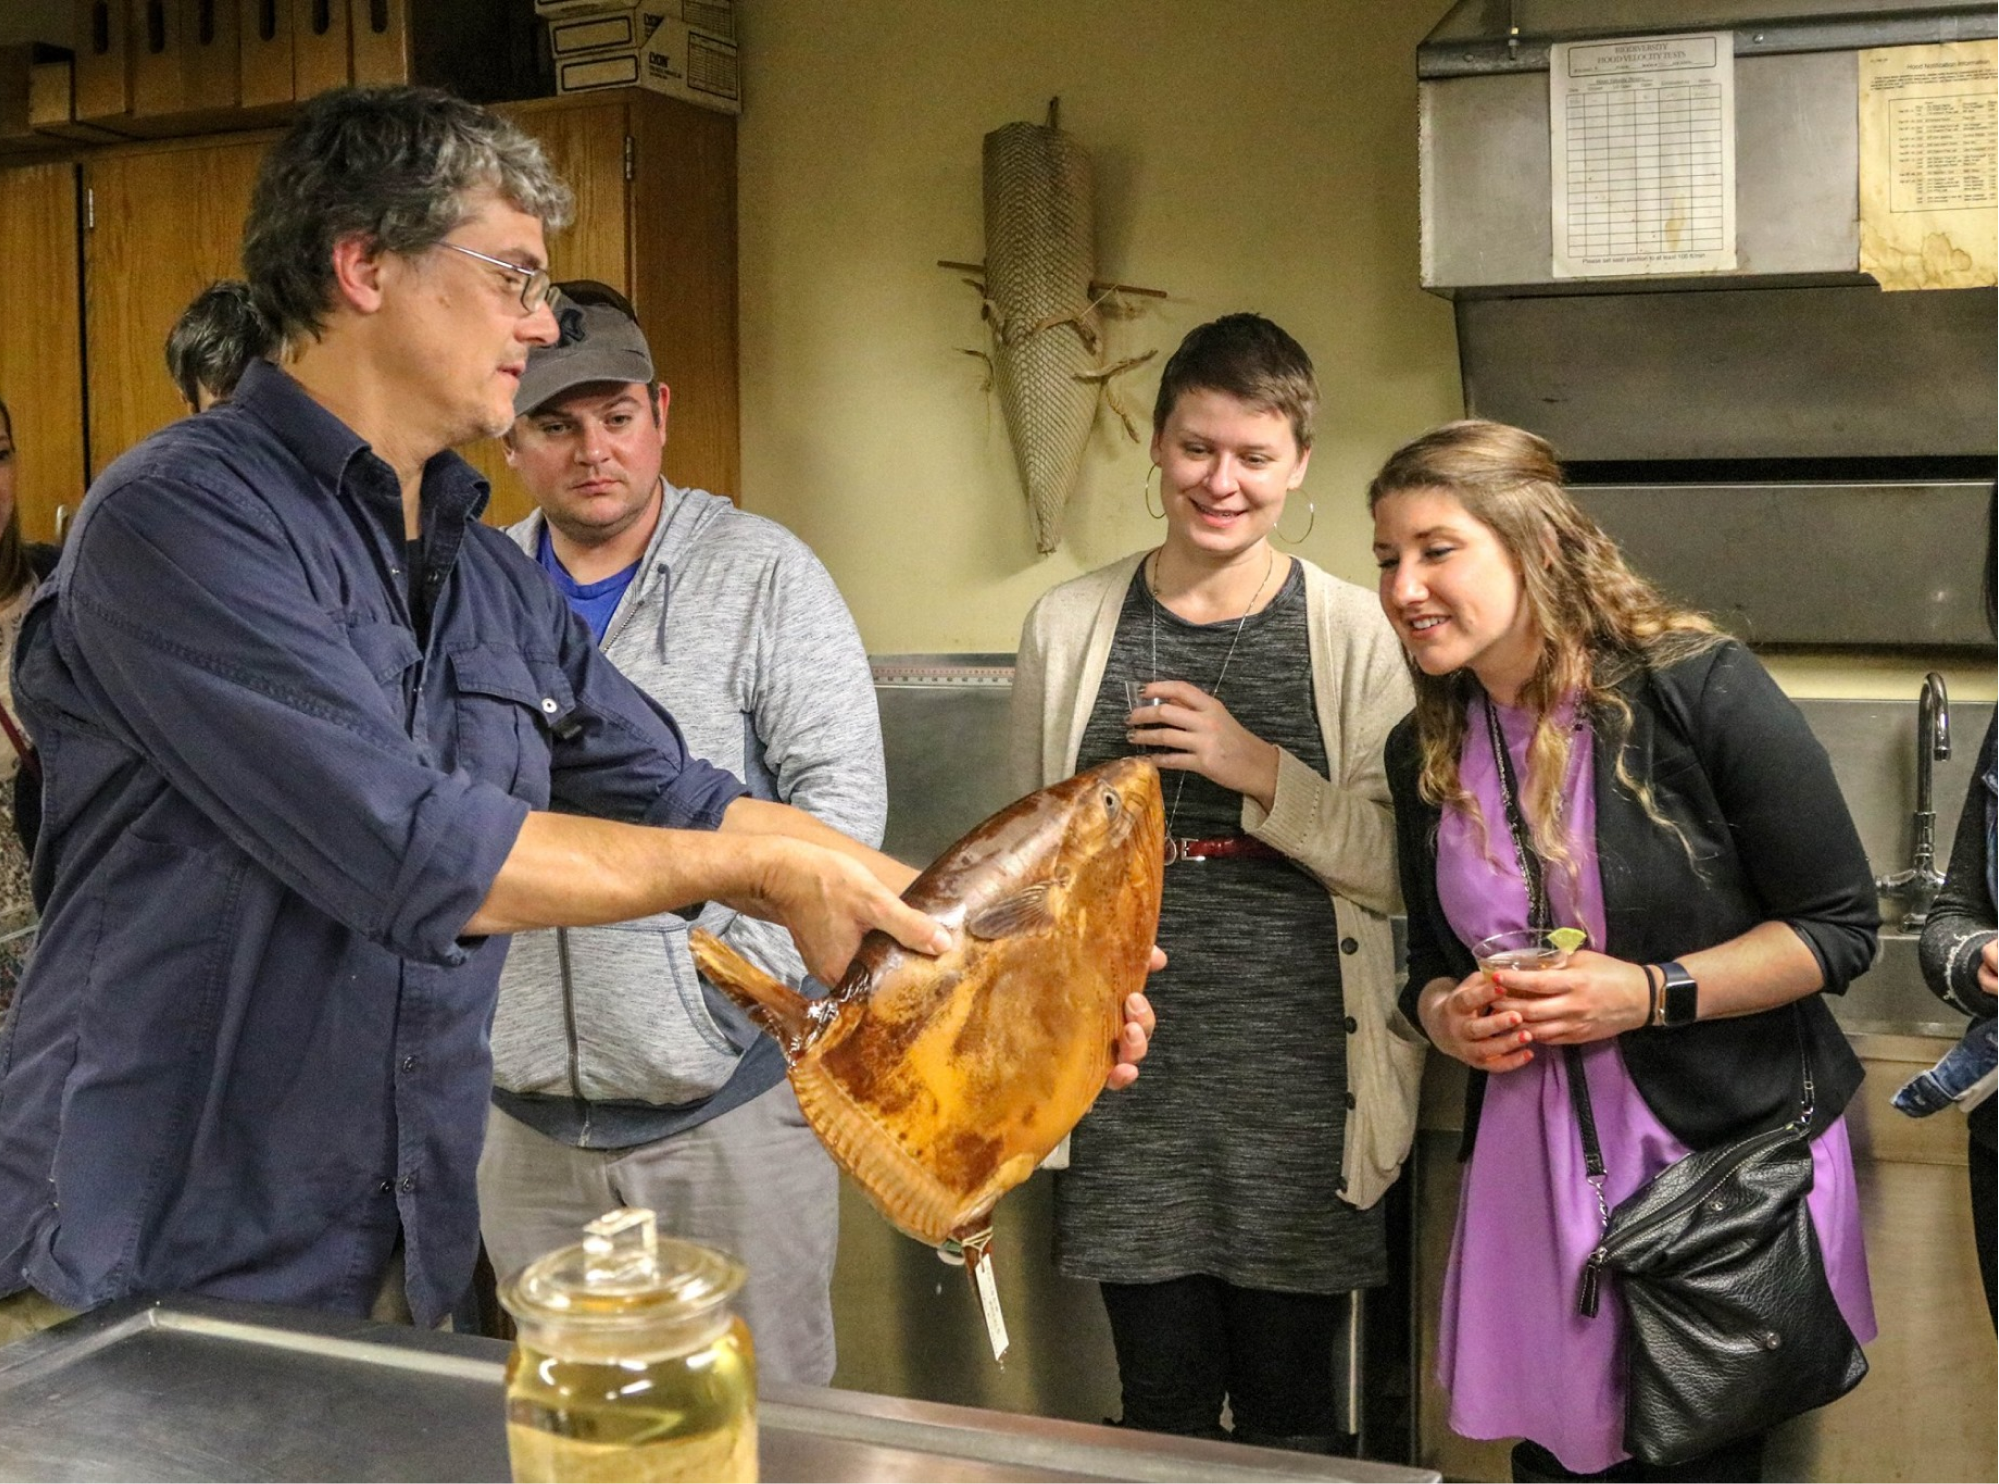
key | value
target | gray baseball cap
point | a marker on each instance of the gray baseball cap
(599, 343)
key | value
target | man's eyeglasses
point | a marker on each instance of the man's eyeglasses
(537, 288)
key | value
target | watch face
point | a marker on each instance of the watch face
(1682, 996)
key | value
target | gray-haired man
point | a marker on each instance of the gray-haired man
(306, 726)
(621, 1079)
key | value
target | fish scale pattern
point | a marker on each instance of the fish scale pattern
(1040, 260)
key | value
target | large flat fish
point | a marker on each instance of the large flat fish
(940, 1083)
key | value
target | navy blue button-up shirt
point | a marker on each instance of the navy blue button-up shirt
(251, 1045)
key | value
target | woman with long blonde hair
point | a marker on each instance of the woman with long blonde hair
(1586, 754)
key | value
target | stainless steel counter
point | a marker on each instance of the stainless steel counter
(196, 1389)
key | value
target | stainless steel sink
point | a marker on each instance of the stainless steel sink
(1891, 998)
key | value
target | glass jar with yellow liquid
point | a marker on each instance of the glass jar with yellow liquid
(630, 1364)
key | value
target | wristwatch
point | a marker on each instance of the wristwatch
(1680, 996)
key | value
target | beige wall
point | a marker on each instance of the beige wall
(1258, 156)
(1248, 156)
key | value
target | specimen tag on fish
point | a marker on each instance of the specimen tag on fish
(940, 1082)
(980, 1261)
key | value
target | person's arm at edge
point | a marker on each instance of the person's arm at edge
(1961, 920)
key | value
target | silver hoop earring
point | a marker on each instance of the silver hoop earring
(1311, 519)
(1145, 489)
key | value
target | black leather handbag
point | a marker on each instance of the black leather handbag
(1731, 1326)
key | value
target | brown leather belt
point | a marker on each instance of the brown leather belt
(1222, 848)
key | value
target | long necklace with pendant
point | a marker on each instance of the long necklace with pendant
(1152, 584)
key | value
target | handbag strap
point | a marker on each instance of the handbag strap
(22, 748)
(1593, 1165)
(1539, 914)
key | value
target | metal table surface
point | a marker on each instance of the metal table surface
(199, 1389)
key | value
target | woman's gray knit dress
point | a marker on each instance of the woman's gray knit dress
(1224, 1157)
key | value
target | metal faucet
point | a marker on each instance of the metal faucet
(1918, 885)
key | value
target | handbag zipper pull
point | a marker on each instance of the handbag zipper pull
(1592, 1272)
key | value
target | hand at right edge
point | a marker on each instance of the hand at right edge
(1455, 1015)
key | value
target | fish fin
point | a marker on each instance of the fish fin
(772, 1003)
(1025, 911)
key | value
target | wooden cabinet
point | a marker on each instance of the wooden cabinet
(41, 361)
(163, 222)
(655, 218)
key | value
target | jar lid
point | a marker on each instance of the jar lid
(623, 1275)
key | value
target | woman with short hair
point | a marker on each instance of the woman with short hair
(1229, 1198)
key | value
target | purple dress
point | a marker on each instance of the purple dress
(1515, 1356)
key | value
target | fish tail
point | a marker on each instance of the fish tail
(772, 1003)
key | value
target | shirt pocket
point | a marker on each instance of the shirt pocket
(388, 651)
(508, 710)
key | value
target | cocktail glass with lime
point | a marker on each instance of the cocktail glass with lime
(1527, 949)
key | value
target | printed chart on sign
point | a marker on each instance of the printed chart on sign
(1642, 154)
(1929, 165)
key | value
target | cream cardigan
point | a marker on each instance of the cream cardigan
(1342, 831)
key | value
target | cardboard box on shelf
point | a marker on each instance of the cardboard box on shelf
(716, 18)
(556, 9)
(674, 58)
(617, 30)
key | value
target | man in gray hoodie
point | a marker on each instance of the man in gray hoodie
(621, 1078)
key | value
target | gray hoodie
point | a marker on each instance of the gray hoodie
(605, 1037)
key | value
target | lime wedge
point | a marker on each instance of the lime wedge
(1568, 939)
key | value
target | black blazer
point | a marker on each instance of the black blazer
(1731, 761)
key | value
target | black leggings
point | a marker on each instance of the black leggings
(1740, 1462)
(1185, 1344)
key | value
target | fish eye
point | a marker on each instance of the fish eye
(1110, 802)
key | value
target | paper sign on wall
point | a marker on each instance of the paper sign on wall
(1642, 152)
(1929, 165)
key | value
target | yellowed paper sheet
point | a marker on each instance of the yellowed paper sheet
(1929, 165)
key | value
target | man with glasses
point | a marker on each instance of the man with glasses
(314, 742)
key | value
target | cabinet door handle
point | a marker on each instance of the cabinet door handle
(62, 522)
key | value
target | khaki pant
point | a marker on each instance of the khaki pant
(27, 1313)
(755, 1182)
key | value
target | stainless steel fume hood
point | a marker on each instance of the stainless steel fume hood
(1783, 443)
